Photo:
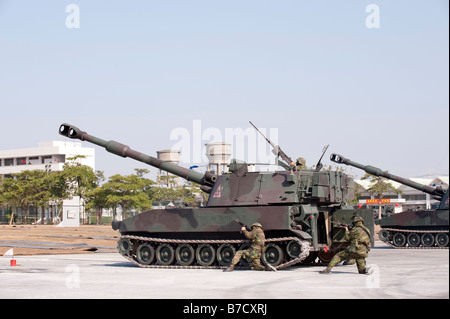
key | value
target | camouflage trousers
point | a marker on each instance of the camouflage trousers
(344, 255)
(253, 256)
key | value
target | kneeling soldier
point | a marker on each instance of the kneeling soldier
(359, 238)
(253, 253)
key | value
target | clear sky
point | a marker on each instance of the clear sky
(313, 71)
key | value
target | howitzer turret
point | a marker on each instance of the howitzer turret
(300, 211)
(424, 228)
(206, 180)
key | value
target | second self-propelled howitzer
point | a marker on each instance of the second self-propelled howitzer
(423, 228)
(299, 211)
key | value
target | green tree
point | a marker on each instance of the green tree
(185, 195)
(96, 198)
(358, 189)
(378, 187)
(128, 192)
(141, 172)
(79, 179)
(168, 180)
(37, 188)
(11, 196)
(23, 191)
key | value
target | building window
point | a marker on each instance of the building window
(59, 158)
(33, 160)
(9, 161)
(21, 161)
(46, 160)
(416, 197)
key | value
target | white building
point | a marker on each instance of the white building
(49, 156)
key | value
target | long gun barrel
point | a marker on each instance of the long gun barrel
(437, 192)
(206, 180)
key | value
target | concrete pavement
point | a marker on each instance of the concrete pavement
(398, 274)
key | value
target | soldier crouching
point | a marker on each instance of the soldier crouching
(253, 253)
(359, 238)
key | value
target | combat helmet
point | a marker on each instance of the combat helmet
(357, 219)
(301, 161)
(257, 225)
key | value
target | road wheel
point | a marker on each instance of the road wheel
(294, 249)
(399, 240)
(185, 254)
(205, 255)
(274, 255)
(124, 246)
(427, 240)
(413, 240)
(165, 254)
(145, 254)
(383, 235)
(225, 254)
(442, 239)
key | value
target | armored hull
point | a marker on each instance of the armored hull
(416, 229)
(208, 237)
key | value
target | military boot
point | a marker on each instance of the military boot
(228, 269)
(256, 265)
(368, 271)
(326, 271)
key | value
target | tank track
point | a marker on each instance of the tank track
(393, 231)
(305, 247)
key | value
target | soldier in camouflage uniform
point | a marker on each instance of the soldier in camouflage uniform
(253, 253)
(359, 238)
(300, 164)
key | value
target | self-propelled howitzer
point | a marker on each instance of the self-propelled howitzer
(296, 208)
(423, 228)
